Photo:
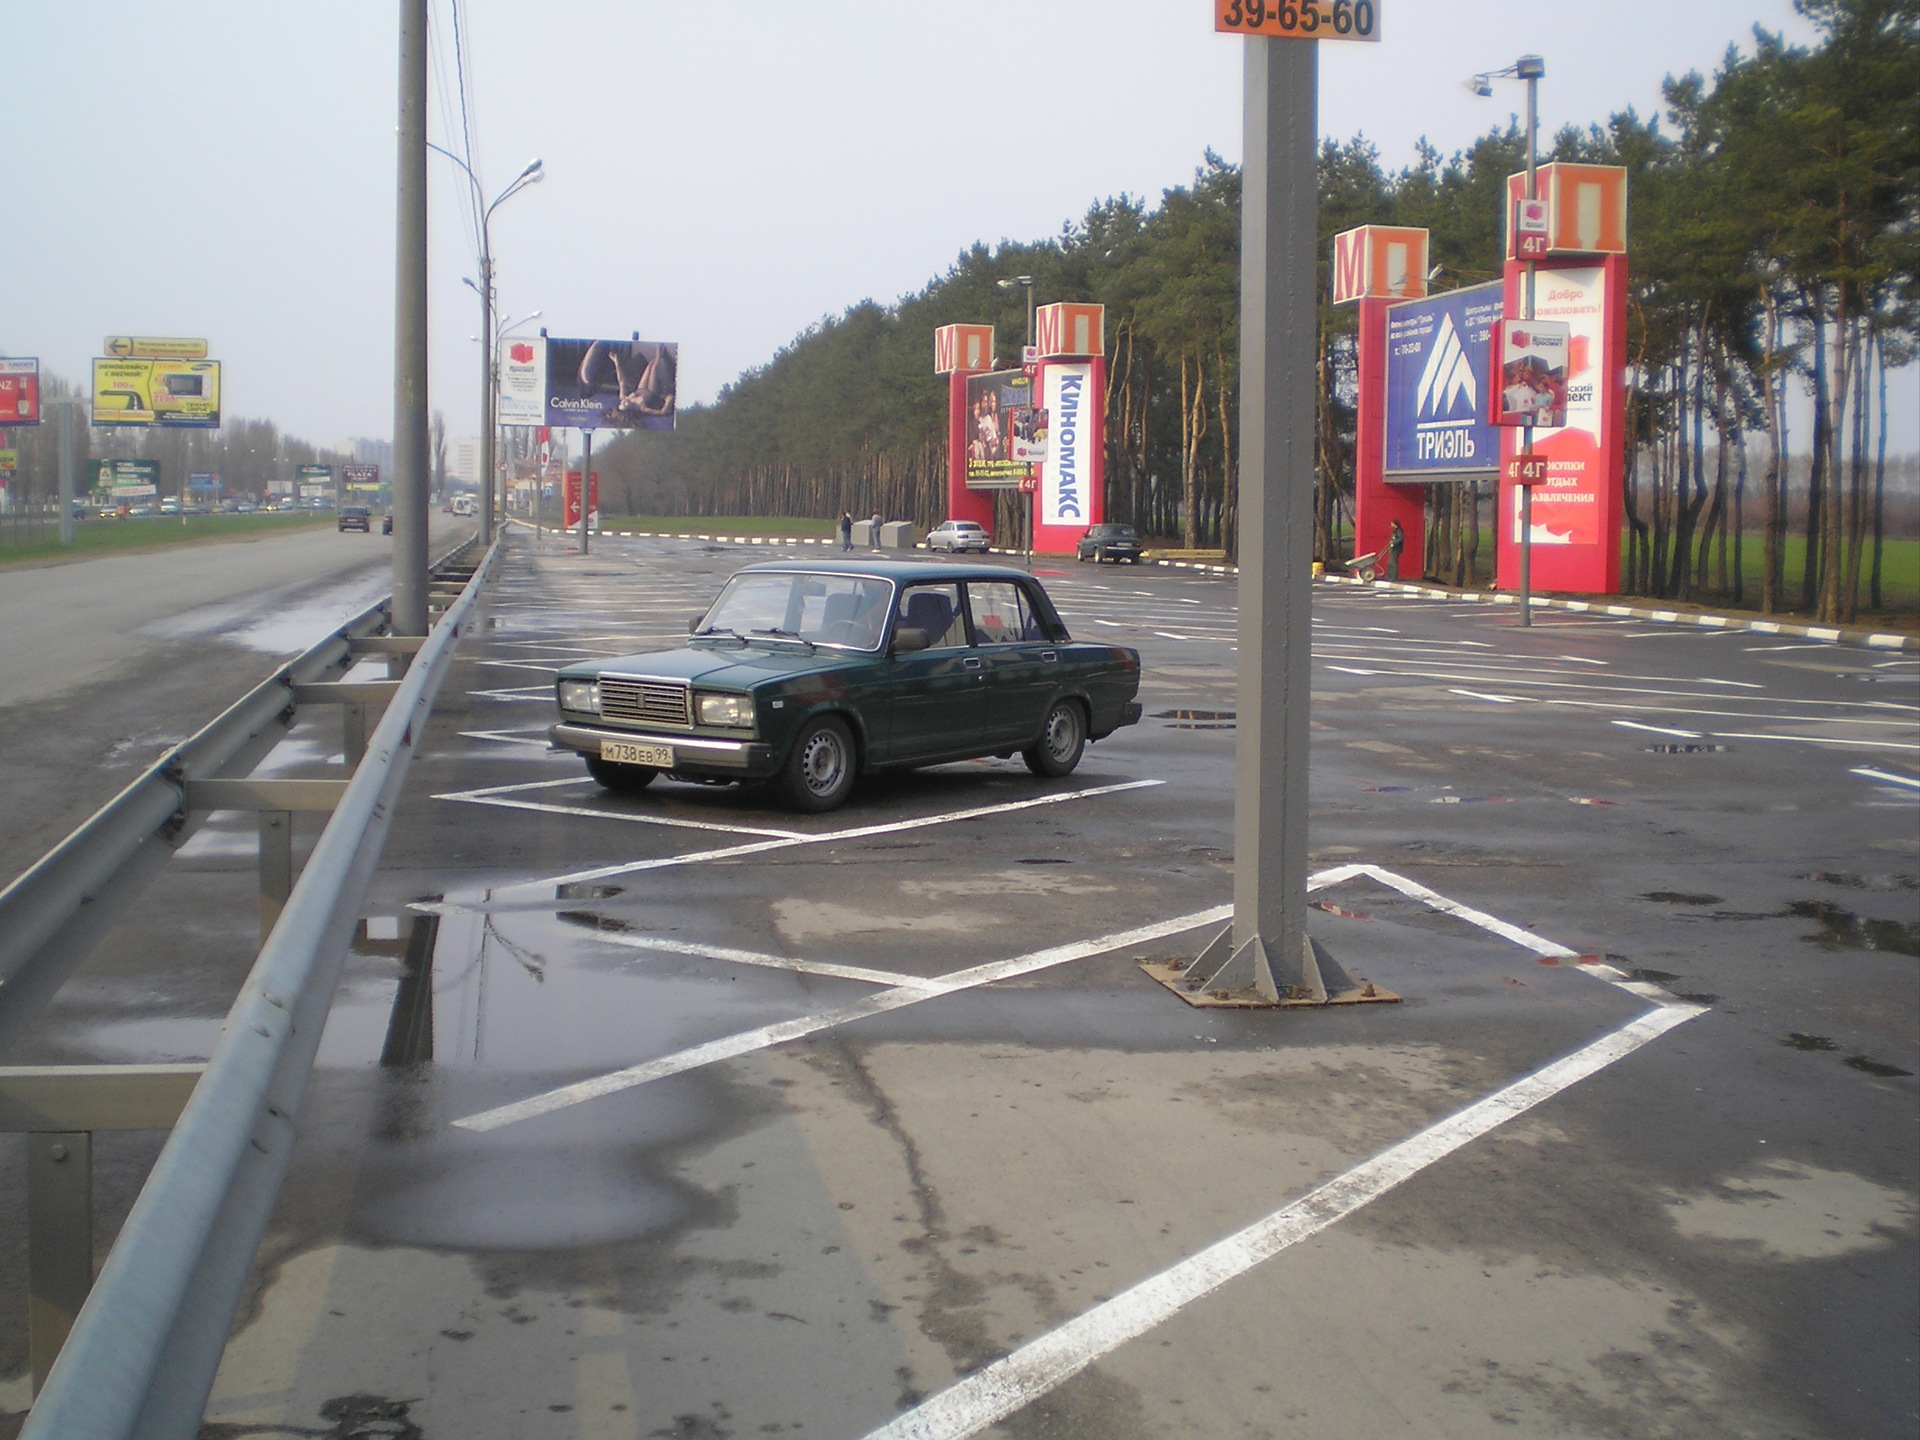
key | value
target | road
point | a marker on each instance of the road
(110, 661)
(712, 1120)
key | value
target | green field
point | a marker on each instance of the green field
(38, 542)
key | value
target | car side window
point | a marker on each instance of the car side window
(1001, 615)
(936, 610)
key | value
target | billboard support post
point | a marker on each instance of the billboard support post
(1532, 67)
(586, 484)
(66, 413)
(1266, 949)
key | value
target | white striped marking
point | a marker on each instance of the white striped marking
(1911, 782)
(1496, 699)
(990, 1395)
(1657, 729)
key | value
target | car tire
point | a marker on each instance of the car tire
(1063, 738)
(1081, 556)
(621, 779)
(819, 772)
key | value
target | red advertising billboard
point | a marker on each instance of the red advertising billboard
(572, 500)
(19, 392)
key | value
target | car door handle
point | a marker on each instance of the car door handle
(972, 662)
(1048, 657)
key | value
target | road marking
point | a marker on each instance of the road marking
(628, 817)
(790, 838)
(1907, 780)
(1496, 699)
(1656, 729)
(990, 1395)
(895, 998)
(1820, 739)
(508, 737)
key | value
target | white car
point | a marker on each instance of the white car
(956, 536)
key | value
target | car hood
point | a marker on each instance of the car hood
(727, 667)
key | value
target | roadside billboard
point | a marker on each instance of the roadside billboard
(523, 383)
(125, 479)
(19, 392)
(570, 500)
(1528, 373)
(360, 479)
(318, 477)
(1068, 477)
(206, 480)
(167, 393)
(1436, 413)
(1002, 430)
(611, 384)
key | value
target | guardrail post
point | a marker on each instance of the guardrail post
(354, 741)
(276, 866)
(59, 1240)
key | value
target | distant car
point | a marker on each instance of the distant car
(356, 517)
(811, 674)
(170, 506)
(959, 536)
(386, 523)
(1109, 542)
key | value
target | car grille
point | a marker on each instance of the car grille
(646, 702)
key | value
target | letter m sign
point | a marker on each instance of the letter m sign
(1379, 262)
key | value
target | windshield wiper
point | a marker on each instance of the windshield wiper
(780, 634)
(719, 632)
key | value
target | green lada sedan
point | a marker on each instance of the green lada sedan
(809, 675)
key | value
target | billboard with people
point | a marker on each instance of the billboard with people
(612, 384)
(1005, 434)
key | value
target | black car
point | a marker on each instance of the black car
(809, 675)
(356, 517)
(1109, 542)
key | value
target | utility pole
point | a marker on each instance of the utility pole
(410, 460)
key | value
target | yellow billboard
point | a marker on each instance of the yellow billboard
(167, 393)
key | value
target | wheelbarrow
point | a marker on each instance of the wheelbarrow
(1365, 568)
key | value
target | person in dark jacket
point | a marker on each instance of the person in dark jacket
(1396, 542)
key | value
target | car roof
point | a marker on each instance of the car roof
(901, 572)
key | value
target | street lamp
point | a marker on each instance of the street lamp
(532, 174)
(1022, 282)
(1528, 68)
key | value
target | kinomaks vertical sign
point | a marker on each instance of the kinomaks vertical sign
(1071, 401)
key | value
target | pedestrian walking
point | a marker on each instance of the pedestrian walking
(873, 535)
(1396, 542)
(846, 530)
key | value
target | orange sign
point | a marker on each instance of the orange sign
(1299, 19)
(1586, 207)
(1070, 329)
(1379, 262)
(962, 347)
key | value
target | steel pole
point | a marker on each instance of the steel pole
(486, 388)
(410, 460)
(66, 413)
(586, 485)
(1526, 313)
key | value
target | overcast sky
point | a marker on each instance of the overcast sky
(722, 175)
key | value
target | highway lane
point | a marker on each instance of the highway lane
(835, 1112)
(109, 661)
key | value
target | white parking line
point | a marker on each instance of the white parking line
(1656, 729)
(895, 998)
(1496, 699)
(992, 1394)
(1911, 782)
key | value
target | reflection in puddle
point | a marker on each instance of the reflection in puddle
(1680, 897)
(1798, 1040)
(1687, 749)
(1841, 929)
(1197, 719)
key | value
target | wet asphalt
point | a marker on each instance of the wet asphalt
(664, 1114)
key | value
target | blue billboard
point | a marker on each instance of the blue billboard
(1437, 355)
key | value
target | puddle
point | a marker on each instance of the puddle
(1798, 1040)
(1680, 897)
(1844, 881)
(1871, 1066)
(1687, 749)
(1197, 719)
(1841, 929)
(1039, 860)
(1651, 977)
(588, 892)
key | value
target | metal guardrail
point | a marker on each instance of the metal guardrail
(142, 1355)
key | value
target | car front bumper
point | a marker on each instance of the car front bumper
(692, 754)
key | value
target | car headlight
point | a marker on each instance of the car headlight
(580, 695)
(731, 710)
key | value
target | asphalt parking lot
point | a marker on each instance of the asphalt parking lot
(708, 1119)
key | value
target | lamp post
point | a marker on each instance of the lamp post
(1025, 282)
(531, 175)
(1528, 68)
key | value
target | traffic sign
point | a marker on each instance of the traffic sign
(153, 347)
(1299, 19)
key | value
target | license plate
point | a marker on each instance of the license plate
(629, 752)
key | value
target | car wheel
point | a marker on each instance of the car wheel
(1100, 556)
(818, 774)
(1081, 556)
(621, 779)
(1062, 739)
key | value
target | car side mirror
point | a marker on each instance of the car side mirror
(905, 639)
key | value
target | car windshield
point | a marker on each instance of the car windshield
(845, 611)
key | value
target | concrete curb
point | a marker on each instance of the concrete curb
(1830, 634)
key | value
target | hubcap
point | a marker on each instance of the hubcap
(823, 763)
